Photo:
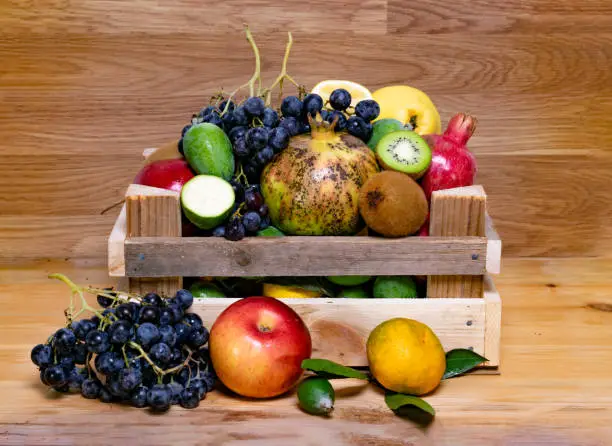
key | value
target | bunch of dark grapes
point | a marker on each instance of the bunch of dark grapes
(355, 121)
(250, 215)
(148, 353)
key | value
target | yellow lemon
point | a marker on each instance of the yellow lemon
(406, 356)
(358, 92)
(408, 105)
(287, 292)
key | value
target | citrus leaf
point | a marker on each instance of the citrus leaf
(396, 401)
(461, 360)
(330, 369)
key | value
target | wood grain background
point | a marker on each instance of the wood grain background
(86, 85)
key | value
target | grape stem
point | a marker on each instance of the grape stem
(282, 76)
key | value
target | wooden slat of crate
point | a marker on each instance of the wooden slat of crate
(340, 327)
(303, 256)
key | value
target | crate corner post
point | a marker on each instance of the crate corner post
(152, 212)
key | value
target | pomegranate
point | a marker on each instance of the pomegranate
(452, 164)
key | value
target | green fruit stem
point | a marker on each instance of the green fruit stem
(283, 75)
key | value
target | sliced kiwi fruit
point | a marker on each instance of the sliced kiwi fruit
(404, 151)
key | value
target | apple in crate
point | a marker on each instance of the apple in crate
(257, 345)
(165, 174)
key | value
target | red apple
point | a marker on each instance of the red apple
(165, 174)
(257, 346)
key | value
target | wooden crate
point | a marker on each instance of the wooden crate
(463, 307)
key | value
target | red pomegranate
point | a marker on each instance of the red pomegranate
(452, 164)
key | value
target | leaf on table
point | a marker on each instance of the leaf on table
(461, 360)
(398, 401)
(331, 370)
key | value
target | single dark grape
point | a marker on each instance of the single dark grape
(152, 299)
(120, 332)
(215, 119)
(67, 362)
(166, 316)
(325, 114)
(190, 398)
(139, 397)
(368, 110)
(240, 117)
(291, 106)
(177, 312)
(65, 388)
(160, 353)
(97, 341)
(198, 337)
(42, 355)
(125, 312)
(105, 395)
(129, 379)
(237, 133)
(339, 118)
(80, 353)
(168, 335)
(149, 314)
(291, 125)
(179, 147)
(238, 190)
(265, 155)
(64, 340)
(159, 397)
(219, 231)
(42, 377)
(199, 386)
(147, 334)
(114, 386)
(230, 106)
(312, 104)
(56, 376)
(241, 149)
(279, 139)
(251, 221)
(185, 129)
(270, 117)
(184, 298)
(105, 301)
(182, 330)
(175, 391)
(90, 388)
(234, 230)
(95, 320)
(263, 210)
(193, 320)
(108, 363)
(254, 107)
(209, 377)
(265, 222)
(82, 327)
(304, 127)
(228, 121)
(75, 380)
(253, 199)
(252, 171)
(256, 138)
(340, 99)
(356, 126)
(183, 376)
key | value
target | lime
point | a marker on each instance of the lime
(316, 396)
(205, 289)
(356, 292)
(349, 280)
(381, 128)
(395, 287)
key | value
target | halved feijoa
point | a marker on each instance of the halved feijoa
(207, 200)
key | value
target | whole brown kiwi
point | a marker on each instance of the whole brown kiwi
(393, 204)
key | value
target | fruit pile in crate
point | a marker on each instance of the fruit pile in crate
(355, 203)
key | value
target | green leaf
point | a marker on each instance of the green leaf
(461, 360)
(396, 401)
(330, 369)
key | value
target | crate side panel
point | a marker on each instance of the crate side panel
(304, 256)
(340, 327)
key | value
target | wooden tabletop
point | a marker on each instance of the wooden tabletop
(555, 385)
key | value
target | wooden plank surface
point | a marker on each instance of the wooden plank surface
(555, 386)
(534, 72)
(303, 256)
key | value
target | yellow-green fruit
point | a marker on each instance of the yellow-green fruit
(408, 105)
(406, 356)
(312, 187)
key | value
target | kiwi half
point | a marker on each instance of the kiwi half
(404, 151)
